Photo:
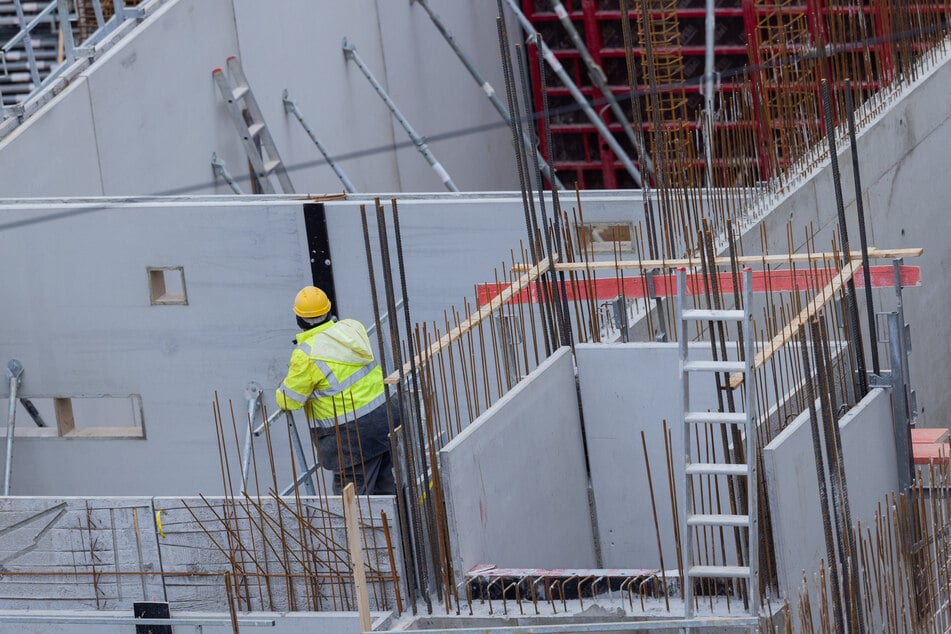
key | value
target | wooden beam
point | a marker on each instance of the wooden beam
(484, 311)
(790, 329)
(65, 422)
(610, 265)
(352, 521)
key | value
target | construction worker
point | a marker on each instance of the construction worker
(333, 376)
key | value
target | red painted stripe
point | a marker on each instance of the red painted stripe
(635, 287)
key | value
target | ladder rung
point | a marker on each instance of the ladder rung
(712, 468)
(718, 520)
(713, 315)
(271, 165)
(255, 129)
(239, 91)
(734, 572)
(714, 366)
(725, 418)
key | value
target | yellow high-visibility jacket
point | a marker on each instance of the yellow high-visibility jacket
(333, 373)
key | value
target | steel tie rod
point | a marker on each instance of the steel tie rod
(488, 90)
(596, 73)
(291, 107)
(15, 373)
(559, 70)
(351, 54)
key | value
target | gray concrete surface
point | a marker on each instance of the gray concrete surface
(626, 389)
(244, 259)
(515, 479)
(789, 463)
(905, 198)
(155, 86)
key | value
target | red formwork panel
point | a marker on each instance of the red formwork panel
(578, 153)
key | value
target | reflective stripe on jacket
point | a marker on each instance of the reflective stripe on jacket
(333, 373)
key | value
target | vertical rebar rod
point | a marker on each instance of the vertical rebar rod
(863, 239)
(821, 478)
(858, 351)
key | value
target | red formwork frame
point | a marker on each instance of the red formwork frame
(593, 163)
(588, 161)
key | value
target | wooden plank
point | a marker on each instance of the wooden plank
(790, 329)
(352, 520)
(484, 311)
(610, 265)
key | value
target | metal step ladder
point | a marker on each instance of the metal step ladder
(254, 134)
(695, 469)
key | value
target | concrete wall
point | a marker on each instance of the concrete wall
(146, 117)
(515, 478)
(82, 323)
(905, 200)
(627, 389)
(789, 461)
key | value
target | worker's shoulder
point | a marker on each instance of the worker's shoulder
(349, 323)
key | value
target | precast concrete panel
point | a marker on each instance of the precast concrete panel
(515, 481)
(627, 389)
(157, 113)
(55, 152)
(871, 472)
(83, 324)
(303, 54)
(442, 101)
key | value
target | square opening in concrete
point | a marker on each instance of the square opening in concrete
(167, 285)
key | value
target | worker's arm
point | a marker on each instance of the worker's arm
(298, 384)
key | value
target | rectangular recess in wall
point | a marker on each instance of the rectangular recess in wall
(80, 417)
(606, 237)
(167, 285)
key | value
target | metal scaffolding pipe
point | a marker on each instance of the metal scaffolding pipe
(559, 70)
(221, 170)
(291, 107)
(351, 54)
(708, 75)
(598, 78)
(15, 372)
(487, 89)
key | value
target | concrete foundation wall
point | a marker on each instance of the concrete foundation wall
(515, 480)
(789, 461)
(155, 88)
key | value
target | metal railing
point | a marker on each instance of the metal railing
(59, 11)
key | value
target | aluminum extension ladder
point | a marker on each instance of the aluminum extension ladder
(236, 91)
(694, 468)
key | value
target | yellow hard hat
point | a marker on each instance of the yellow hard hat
(311, 302)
